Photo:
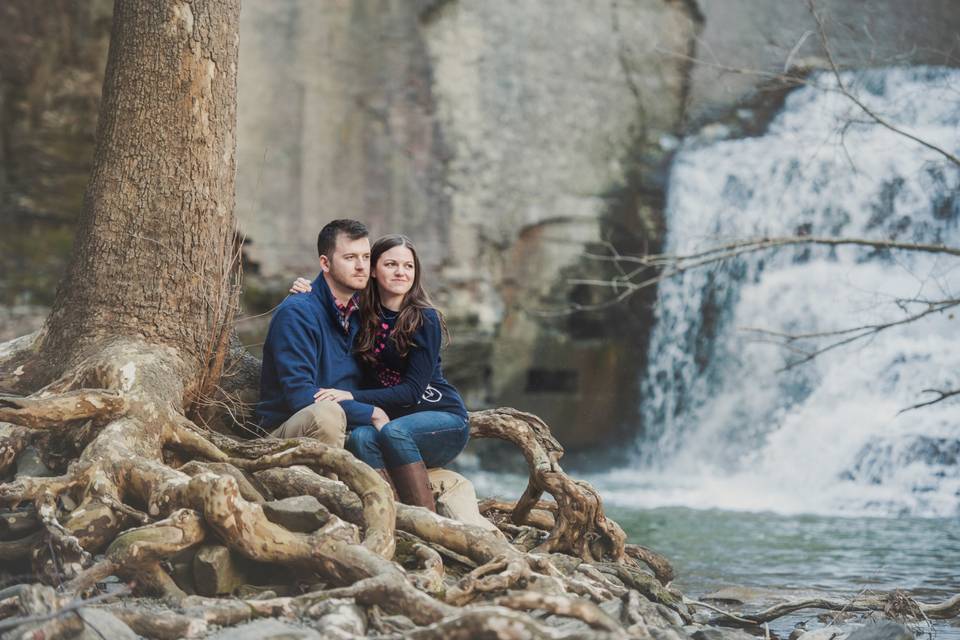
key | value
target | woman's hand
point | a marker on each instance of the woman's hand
(335, 395)
(301, 285)
(379, 418)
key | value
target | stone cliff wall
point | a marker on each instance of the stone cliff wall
(508, 139)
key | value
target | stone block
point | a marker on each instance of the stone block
(217, 571)
(298, 513)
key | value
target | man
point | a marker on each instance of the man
(310, 341)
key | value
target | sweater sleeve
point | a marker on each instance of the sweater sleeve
(296, 347)
(421, 362)
(358, 413)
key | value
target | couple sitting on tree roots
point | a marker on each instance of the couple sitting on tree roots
(354, 360)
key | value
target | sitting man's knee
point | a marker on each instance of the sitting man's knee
(328, 423)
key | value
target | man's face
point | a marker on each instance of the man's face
(349, 266)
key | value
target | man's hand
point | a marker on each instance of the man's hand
(334, 395)
(301, 285)
(379, 418)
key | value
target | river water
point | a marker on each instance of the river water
(749, 470)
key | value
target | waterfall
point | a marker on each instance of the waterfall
(723, 424)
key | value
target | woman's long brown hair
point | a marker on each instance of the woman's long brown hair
(410, 316)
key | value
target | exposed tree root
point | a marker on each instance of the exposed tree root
(561, 605)
(145, 485)
(581, 528)
(47, 411)
(301, 481)
(541, 516)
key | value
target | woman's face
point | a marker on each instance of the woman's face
(394, 271)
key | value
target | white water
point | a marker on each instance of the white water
(725, 429)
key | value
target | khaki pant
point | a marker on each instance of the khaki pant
(457, 499)
(323, 420)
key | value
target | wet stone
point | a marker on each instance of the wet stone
(302, 514)
(30, 465)
(885, 630)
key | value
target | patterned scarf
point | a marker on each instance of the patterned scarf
(345, 310)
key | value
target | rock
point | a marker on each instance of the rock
(30, 464)
(299, 513)
(720, 633)
(268, 629)
(100, 624)
(182, 574)
(217, 571)
(827, 633)
(342, 614)
(667, 633)
(657, 615)
(669, 614)
(884, 630)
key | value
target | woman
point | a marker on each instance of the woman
(399, 347)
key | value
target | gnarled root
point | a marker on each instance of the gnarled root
(139, 462)
(580, 527)
(136, 554)
(44, 410)
(561, 605)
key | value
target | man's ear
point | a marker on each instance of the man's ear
(325, 264)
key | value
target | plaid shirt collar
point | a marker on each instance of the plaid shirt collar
(344, 311)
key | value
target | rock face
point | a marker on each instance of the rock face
(51, 73)
(507, 139)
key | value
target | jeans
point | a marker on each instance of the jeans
(435, 437)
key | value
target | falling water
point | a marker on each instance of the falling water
(727, 421)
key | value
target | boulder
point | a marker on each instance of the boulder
(298, 513)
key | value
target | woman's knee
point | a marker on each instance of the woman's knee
(363, 443)
(397, 445)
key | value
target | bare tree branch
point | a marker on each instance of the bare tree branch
(825, 43)
(941, 396)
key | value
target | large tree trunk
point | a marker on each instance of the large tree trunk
(155, 257)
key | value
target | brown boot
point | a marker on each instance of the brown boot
(386, 478)
(413, 485)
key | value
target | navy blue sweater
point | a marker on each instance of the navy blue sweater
(414, 383)
(308, 349)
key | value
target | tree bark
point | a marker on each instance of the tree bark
(154, 257)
